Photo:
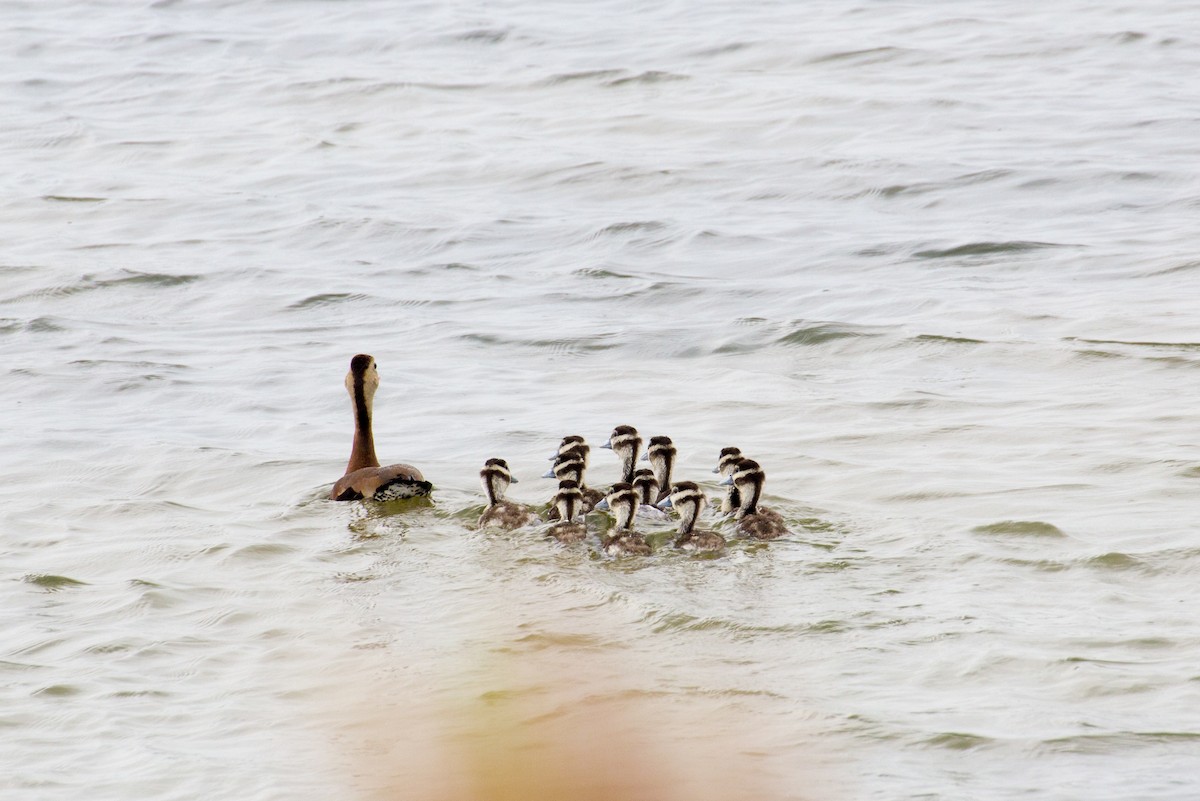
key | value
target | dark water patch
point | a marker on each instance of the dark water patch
(9, 325)
(585, 75)
(489, 36)
(720, 50)
(1094, 354)
(1115, 561)
(559, 347)
(1117, 742)
(870, 55)
(598, 272)
(648, 77)
(59, 691)
(1039, 184)
(957, 741)
(1191, 472)
(1019, 528)
(114, 647)
(148, 279)
(326, 299)
(875, 251)
(43, 325)
(823, 333)
(52, 583)
(827, 627)
(1187, 266)
(73, 199)
(1184, 346)
(681, 621)
(1127, 37)
(949, 340)
(545, 640)
(89, 283)
(631, 227)
(354, 578)
(1040, 565)
(1139, 176)
(908, 497)
(925, 187)
(984, 249)
(90, 363)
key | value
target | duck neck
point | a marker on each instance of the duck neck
(735, 499)
(662, 470)
(624, 517)
(493, 489)
(628, 460)
(687, 518)
(362, 453)
(750, 491)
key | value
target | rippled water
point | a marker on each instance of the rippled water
(934, 266)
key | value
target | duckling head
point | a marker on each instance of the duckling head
(646, 485)
(496, 477)
(727, 460)
(622, 501)
(569, 464)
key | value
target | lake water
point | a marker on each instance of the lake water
(933, 265)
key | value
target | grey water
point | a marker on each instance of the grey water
(933, 265)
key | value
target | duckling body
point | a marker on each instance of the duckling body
(501, 513)
(622, 500)
(566, 501)
(570, 465)
(754, 520)
(687, 499)
(364, 478)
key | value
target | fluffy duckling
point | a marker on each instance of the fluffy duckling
(727, 460)
(754, 520)
(622, 501)
(364, 478)
(687, 498)
(625, 443)
(660, 453)
(566, 501)
(570, 464)
(645, 485)
(500, 513)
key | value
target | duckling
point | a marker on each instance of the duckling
(566, 501)
(645, 485)
(364, 478)
(754, 520)
(660, 453)
(622, 500)
(725, 463)
(571, 464)
(625, 443)
(500, 513)
(687, 499)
